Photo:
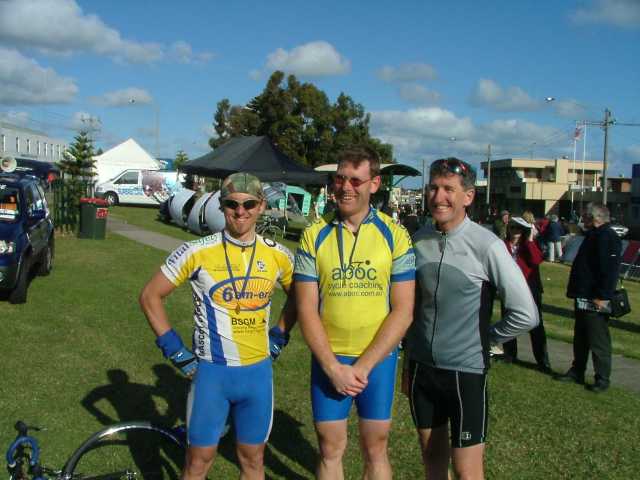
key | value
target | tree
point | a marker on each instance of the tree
(78, 160)
(180, 160)
(300, 120)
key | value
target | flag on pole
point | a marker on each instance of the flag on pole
(577, 135)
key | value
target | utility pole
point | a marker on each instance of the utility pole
(605, 125)
(488, 199)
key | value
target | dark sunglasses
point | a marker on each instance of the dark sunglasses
(340, 180)
(247, 204)
(450, 165)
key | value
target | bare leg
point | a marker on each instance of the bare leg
(468, 462)
(251, 458)
(434, 444)
(374, 437)
(332, 441)
(198, 462)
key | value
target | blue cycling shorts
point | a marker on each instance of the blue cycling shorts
(373, 403)
(245, 392)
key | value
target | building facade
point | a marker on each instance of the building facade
(21, 142)
(560, 186)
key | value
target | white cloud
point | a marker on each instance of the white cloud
(182, 52)
(314, 59)
(126, 96)
(435, 132)
(60, 26)
(569, 109)
(408, 72)
(15, 118)
(491, 95)
(25, 82)
(618, 13)
(414, 93)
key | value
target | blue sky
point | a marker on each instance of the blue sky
(439, 78)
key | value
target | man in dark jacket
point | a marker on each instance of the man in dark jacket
(592, 281)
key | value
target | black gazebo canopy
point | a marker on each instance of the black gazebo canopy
(255, 155)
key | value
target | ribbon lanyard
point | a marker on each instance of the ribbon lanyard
(232, 278)
(339, 240)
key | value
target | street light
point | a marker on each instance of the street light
(132, 101)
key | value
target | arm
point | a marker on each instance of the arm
(609, 247)
(151, 302)
(532, 252)
(520, 311)
(342, 376)
(279, 333)
(392, 329)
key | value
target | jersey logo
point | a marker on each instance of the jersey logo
(261, 266)
(357, 270)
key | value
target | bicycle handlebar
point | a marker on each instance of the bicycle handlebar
(23, 440)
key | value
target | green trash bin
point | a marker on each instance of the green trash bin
(93, 218)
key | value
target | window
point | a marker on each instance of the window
(46, 149)
(17, 144)
(28, 145)
(129, 178)
(38, 148)
(4, 142)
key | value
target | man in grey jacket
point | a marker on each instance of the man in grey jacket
(458, 265)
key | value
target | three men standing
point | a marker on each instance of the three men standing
(458, 263)
(354, 283)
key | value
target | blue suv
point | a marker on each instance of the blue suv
(26, 234)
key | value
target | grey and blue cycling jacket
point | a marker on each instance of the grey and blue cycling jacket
(457, 274)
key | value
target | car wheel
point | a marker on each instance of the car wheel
(19, 292)
(46, 262)
(111, 198)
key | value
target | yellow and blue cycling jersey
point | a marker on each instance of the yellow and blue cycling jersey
(231, 314)
(354, 275)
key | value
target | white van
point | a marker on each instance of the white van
(140, 187)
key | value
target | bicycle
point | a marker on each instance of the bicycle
(269, 226)
(125, 450)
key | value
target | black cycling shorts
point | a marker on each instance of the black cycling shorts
(437, 395)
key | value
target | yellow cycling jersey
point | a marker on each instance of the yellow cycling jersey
(354, 275)
(231, 312)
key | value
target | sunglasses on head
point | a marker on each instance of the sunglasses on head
(450, 165)
(340, 180)
(247, 204)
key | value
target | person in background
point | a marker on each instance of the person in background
(530, 218)
(553, 237)
(500, 225)
(592, 281)
(524, 250)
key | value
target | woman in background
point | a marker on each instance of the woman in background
(524, 250)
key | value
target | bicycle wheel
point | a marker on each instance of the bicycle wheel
(128, 450)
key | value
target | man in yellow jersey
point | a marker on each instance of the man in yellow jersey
(232, 276)
(354, 282)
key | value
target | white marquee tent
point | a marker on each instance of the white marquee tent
(126, 155)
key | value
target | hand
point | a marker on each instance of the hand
(602, 304)
(345, 380)
(185, 361)
(277, 341)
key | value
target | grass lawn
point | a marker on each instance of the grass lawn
(79, 354)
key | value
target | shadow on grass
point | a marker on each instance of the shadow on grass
(135, 401)
(623, 325)
(287, 439)
(560, 311)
